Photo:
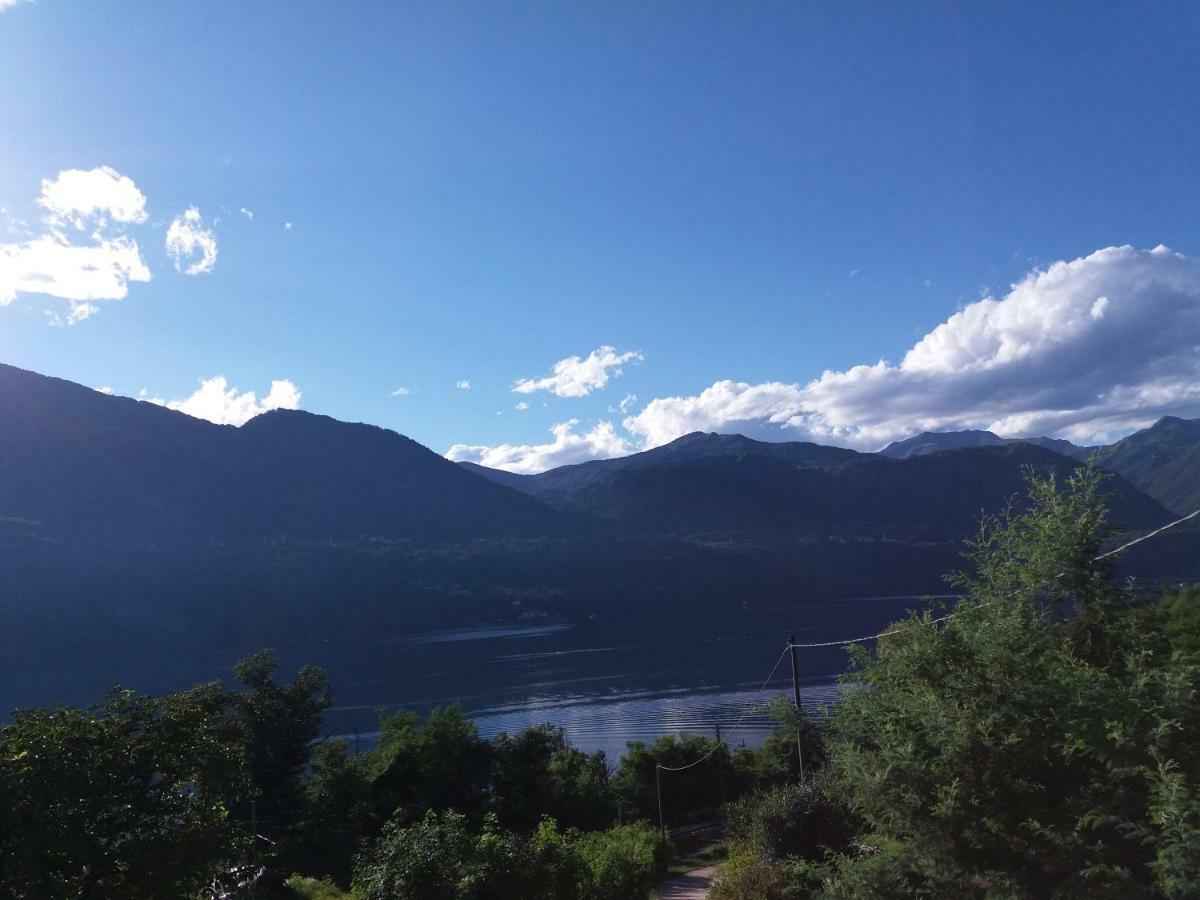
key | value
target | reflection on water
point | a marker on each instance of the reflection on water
(607, 683)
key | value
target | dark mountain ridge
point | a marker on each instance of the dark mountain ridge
(81, 465)
(1162, 460)
(706, 484)
(138, 544)
(939, 441)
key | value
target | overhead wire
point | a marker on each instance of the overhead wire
(870, 637)
(736, 726)
(1102, 556)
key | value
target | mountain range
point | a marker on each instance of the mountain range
(125, 525)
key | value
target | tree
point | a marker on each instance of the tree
(436, 764)
(537, 773)
(126, 799)
(1030, 745)
(777, 760)
(621, 863)
(423, 861)
(338, 816)
(279, 723)
(689, 794)
(439, 857)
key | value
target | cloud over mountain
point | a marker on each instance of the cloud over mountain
(1084, 349)
(217, 402)
(578, 377)
(568, 446)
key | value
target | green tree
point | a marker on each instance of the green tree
(688, 795)
(621, 863)
(1028, 746)
(438, 764)
(338, 817)
(423, 861)
(777, 761)
(126, 799)
(439, 857)
(279, 723)
(537, 773)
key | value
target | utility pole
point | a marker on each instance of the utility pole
(662, 828)
(795, 670)
(722, 764)
(799, 708)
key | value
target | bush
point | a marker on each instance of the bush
(621, 863)
(316, 889)
(1030, 746)
(438, 858)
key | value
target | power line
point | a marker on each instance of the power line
(870, 637)
(1102, 556)
(736, 726)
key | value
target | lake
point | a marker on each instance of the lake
(609, 682)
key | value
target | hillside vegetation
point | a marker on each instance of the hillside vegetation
(1038, 742)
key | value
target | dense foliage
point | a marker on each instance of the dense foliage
(1039, 741)
(1042, 742)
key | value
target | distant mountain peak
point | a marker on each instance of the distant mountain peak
(939, 441)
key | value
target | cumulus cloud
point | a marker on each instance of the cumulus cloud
(217, 402)
(91, 206)
(401, 392)
(190, 241)
(577, 377)
(521, 406)
(248, 213)
(51, 265)
(9, 4)
(568, 446)
(1087, 349)
(79, 197)
(463, 384)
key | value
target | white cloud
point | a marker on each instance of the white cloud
(99, 201)
(79, 197)
(1087, 350)
(50, 265)
(522, 406)
(9, 4)
(287, 226)
(567, 447)
(248, 213)
(215, 401)
(463, 384)
(401, 392)
(759, 411)
(104, 390)
(576, 377)
(627, 403)
(188, 237)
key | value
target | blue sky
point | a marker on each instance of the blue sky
(743, 194)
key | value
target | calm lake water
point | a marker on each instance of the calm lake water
(607, 683)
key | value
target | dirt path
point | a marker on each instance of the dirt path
(692, 886)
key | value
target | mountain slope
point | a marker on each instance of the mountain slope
(78, 465)
(1163, 460)
(143, 546)
(939, 441)
(711, 484)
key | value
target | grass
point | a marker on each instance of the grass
(686, 860)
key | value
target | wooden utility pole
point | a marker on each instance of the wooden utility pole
(662, 828)
(795, 670)
(799, 708)
(722, 764)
